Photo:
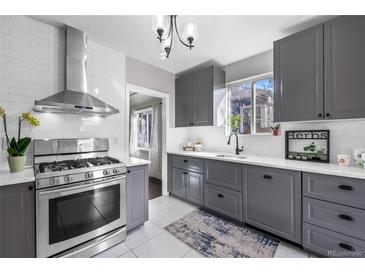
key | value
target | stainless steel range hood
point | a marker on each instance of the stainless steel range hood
(75, 99)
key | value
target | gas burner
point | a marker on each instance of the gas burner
(75, 164)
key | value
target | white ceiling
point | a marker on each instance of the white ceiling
(225, 39)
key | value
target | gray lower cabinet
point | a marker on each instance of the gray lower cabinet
(298, 76)
(179, 182)
(194, 188)
(336, 189)
(333, 215)
(272, 201)
(344, 65)
(137, 196)
(339, 218)
(224, 201)
(17, 223)
(331, 244)
(224, 174)
(187, 185)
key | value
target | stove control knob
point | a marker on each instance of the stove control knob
(54, 181)
(106, 172)
(88, 175)
(115, 170)
(67, 178)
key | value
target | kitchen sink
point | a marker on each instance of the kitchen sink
(230, 156)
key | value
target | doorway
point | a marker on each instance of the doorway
(146, 115)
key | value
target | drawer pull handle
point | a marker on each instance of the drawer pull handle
(220, 195)
(268, 177)
(185, 161)
(346, 246)
(345, 187)
(346, 217)
(185, 172)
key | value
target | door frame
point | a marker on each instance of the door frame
(165, 122)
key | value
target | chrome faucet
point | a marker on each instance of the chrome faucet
(238, 150)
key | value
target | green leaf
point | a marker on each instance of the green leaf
(14, 145)
(23, 143)
(12, 152)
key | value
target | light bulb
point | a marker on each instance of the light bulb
(160, 24)
(190, 32)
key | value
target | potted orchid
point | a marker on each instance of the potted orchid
(16, 147)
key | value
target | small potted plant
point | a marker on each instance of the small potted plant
(275, 129)
(16, 147)
(234, 122)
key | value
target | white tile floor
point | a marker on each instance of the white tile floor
(152, 241)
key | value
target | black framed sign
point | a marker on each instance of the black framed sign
(308, 145)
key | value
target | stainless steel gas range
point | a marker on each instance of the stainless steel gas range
(80, 197)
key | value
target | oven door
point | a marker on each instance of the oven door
(71, 215)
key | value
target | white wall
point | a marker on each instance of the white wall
(146, 75)
(345, 134)
(32, 67)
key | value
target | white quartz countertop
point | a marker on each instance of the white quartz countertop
(132, 161)
(276, 162)
(12, 178)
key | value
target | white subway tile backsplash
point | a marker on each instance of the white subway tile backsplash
(32, 59)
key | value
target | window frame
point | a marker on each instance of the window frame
(138, 112)
(253, 81)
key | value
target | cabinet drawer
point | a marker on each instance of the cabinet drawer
(223, 174)
(272, 201)
(336, 189)
(331, 244)
(344, 219)
(188, 163)
(224, 201)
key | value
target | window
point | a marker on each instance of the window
(250, 106)
(144, 128)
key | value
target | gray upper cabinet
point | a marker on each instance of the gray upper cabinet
(202, 105)
(195, 95)
(344, 44)
(272, 201)
(17, 233)
(183, 100)
(137, 196)
(319, 72)
(298, 76)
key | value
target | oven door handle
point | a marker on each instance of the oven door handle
(84, 186)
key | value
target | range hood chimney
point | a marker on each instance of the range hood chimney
(75, 99)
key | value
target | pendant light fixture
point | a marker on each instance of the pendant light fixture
(164, 27)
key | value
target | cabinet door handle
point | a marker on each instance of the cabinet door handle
(185, 172)
(320, 115)
(185, 161)
(327, 114)
(347, 246)
(220, 195)
(30, 188)
(346, 187)
(267, 177)
(346, 217)
(128, 171)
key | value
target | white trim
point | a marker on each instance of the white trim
(165, 122)
(252, 78)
